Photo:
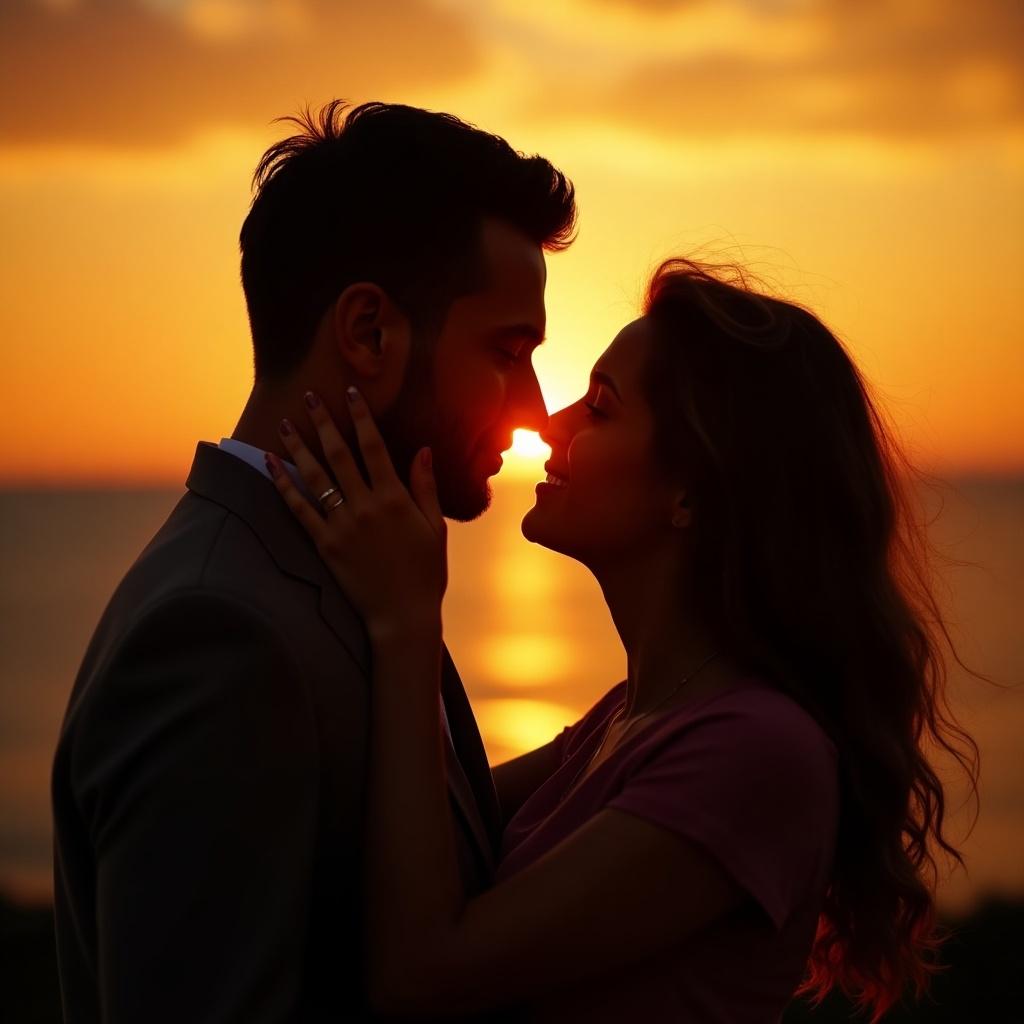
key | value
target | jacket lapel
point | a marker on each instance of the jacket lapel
(471, 755)
(226, 480)
(223, 478)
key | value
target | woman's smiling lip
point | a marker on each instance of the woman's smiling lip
(555, 473)
(554, 482)
(545, 488)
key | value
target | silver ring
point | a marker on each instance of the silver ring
(331, 508)
(323, 497)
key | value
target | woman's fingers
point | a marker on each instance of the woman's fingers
(371, 444)
(424, 490)
(316, 479)
(381, 471)
(308, 517)
(336, 450)
(386, 546)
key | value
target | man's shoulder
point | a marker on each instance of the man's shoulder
(204, 563)
(203, 606)
(203, 551)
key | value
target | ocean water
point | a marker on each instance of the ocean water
(530, 633)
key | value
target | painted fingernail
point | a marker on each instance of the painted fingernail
(285, 427)
(351, 393)
(272, 467)
(312, 400)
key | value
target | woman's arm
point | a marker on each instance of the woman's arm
(616, 891)
(517, 780)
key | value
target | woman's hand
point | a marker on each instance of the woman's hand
(385, 544)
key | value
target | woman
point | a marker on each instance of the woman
(747, 814)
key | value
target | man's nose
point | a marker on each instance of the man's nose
(530, 412)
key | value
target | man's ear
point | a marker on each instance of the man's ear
(372, 337)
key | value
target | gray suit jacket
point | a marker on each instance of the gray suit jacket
(208, 786)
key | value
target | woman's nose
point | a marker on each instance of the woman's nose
(557, 431)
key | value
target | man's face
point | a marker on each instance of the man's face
(481, 384)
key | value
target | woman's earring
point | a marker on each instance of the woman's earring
(681, 518)
(681, 514)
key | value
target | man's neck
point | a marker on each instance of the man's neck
(258, 423)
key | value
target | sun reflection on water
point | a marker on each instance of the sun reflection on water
(513, 726)
(527, 575)
(525, 659)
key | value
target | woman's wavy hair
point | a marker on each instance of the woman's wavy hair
(814, 570)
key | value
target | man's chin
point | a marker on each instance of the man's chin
(464, 501)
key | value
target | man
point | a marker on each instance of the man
(208, 784)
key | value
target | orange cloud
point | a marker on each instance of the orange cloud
(128, 73)
(884, 68)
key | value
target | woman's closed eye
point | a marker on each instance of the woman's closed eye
(596, 406)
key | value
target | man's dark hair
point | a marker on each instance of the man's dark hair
(384, 193)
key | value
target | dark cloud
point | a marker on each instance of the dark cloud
(880, 67)
(123, 72)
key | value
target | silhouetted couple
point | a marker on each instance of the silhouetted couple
(271, 799)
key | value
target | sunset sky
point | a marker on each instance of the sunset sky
(867, 158)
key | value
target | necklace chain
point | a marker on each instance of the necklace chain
(639, 718)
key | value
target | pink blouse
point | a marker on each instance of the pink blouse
(748, 775)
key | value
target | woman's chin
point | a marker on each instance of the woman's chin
(532, 527)
(537, 531)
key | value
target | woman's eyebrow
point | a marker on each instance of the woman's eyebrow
(602, 378)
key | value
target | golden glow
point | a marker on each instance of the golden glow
(528, 445)
(821, 142)
(527, 455)
(513, 727)
(119, 294)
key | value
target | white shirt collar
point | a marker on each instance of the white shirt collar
(254, 457)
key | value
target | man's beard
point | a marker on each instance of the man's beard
(413, 422)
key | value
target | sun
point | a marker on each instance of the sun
(527, 455)
(528, 445)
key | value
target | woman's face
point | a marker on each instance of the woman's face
(607, 499)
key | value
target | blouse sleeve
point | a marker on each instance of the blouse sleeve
(754, 783)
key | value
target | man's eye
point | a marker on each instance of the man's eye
(509, 358)
(593, 412)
